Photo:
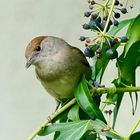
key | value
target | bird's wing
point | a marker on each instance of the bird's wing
(80, 54)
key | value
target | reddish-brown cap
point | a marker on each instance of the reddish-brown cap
(31, 48)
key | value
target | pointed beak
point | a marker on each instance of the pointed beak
(31, 60)
(29, 63)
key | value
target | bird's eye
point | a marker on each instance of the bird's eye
(38, 48)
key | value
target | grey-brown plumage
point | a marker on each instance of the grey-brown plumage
(58, 66)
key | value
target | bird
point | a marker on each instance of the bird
(58, 66)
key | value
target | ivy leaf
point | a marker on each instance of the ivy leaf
(133, 34)
(99, 66)
(135, 136)
(89, 135)
(75, 130)
(117, 106)
(86, 102)
(127, 66)
(73, 114)
(114, 30)
(61, 118)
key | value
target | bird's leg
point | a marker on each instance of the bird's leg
(62, 103)
(49, 118)
(49, 121)
(57, 105)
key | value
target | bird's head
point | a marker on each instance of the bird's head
(34, 50)
(41, 47)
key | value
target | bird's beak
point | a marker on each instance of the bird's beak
(30, 61)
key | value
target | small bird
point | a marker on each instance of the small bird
(58, 65)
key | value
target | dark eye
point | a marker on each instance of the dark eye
(38, 48)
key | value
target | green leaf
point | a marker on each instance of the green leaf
(89, 135)
(114, 30)
(135, 136)
(133, 33)
(117, 106)
(73, 114)
(62, 117)
(127, 66)
(56, 135)
(99, 66)
(134, 105)
(86, 102)
(75, 130)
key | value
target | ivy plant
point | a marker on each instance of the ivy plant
(84, 116)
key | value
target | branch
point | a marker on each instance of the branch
(112, 90)
(95, 92)
(58, 112)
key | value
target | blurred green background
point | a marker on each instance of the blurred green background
(24, 104)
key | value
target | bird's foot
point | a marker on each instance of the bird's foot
(49, 119)
(57, 106)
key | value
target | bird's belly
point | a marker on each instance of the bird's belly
(60, 88)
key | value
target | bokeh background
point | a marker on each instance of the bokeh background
(24, 104)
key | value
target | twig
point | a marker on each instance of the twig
(69, 104)
(112, 90)
(109, 16)
(97, 92)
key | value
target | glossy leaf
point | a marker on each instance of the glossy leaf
(135, 136)
(133, 34)
(115, 29)
(117, 106)
(89, 135)
(61, 118)
(86, 102)
(75, 130)
(119, 97)
(127, 66)
(128, 62)
(73, 114)
(99, 66)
